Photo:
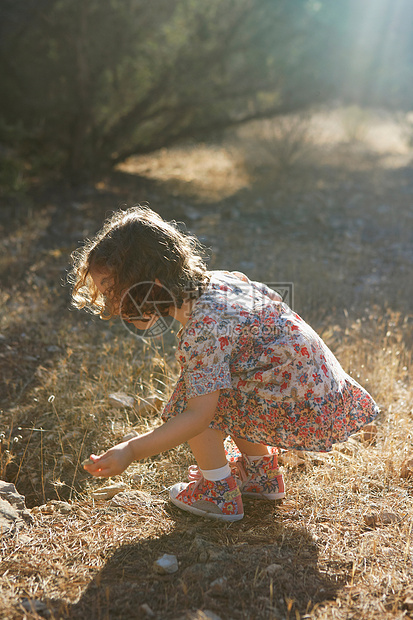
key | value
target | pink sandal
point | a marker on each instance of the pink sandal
(259, 479)
(220, 499)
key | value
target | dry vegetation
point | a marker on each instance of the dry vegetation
(336, 221)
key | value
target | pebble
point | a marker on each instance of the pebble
(62, 507)
(271, 569)
(166, 565)
(13, 511)
(52, 507)
(53, 349)
(120, 400)
(34, 606)
(109, 491)
(145, 609)
(218, 586)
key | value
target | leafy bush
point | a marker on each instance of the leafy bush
(93, 82)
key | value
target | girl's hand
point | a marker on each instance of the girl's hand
(183, 427)
(112, 462)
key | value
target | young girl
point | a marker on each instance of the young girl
(251, 368)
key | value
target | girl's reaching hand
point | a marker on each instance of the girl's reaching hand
(112, 462)
(174, 432)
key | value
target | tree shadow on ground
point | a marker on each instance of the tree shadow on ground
(265, 566)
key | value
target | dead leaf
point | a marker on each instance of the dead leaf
(150, 403)
(291, 459)
(373, 519)
(368, 434)
(370, 519)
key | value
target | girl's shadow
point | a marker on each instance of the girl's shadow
(262, 567)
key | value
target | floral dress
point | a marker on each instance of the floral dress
(279, 383)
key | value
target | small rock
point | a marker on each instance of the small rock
(53, 348)
(121, 400)
(31, 358)
(34, 606)
(109, 491)
(145, 609)
(218, 586)
(203, 556)
(63, 507)
(166, 565)
(370, 519)
(271, 569)
(386, 518)
(406, 469)
(9, 517)
(44, 509)
(9, 492)
(52, 507)
(13, 511)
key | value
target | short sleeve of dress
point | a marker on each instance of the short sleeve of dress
(205, 359)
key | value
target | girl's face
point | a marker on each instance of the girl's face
(101, 280)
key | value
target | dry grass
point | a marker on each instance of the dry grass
(341, 231)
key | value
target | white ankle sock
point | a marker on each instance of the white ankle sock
(256, 458)
(216, 474)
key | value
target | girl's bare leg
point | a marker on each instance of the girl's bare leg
(208, 449)
(251, 449)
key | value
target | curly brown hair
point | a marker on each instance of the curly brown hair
(136, 247)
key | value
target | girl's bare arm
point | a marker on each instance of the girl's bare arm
(191, 422)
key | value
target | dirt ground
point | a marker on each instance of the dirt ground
(335, 224)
